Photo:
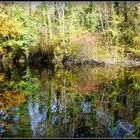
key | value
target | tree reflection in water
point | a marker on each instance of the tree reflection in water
(37, 117)
(80, 102)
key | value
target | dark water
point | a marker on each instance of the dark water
(81, 102)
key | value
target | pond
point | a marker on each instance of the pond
(78, 102)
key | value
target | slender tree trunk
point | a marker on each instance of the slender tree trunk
(61, 15)
(49, 22)
(106, 23)
(116, 6)
(101, 21)
(63, 25)
(125, 11)
(30, 8)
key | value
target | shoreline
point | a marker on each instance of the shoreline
(131, 63)
(70, 63)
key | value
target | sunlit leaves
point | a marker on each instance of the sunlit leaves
(11, 43)
(136, 86)
(9, 27)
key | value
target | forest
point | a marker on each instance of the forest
(69, 69)
(75, 32)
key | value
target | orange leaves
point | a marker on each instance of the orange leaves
(10, 99)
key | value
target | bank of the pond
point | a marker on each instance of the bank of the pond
(129, 63)
(42, 62)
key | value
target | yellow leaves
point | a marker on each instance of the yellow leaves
(1, 123)
(57, 50)
(136, 51)
(137, 39)
(1, 50)
(3, 17)
(114, 94)
(8, 126)
(10, 99)
(2, 76)
(9, 27)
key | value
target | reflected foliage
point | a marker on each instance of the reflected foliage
(79, 102)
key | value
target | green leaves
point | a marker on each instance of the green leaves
(137, 124)
(14, 43)
(30, 85)
(136, 86)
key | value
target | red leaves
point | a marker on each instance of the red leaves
(88, 87)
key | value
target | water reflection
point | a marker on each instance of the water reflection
(86, 107)
(79, 102)
(37, 117)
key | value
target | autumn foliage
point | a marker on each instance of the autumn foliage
(9, 28)
(10, 99)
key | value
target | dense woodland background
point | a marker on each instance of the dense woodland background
(77, 31)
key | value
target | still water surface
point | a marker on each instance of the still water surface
(81, 102)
